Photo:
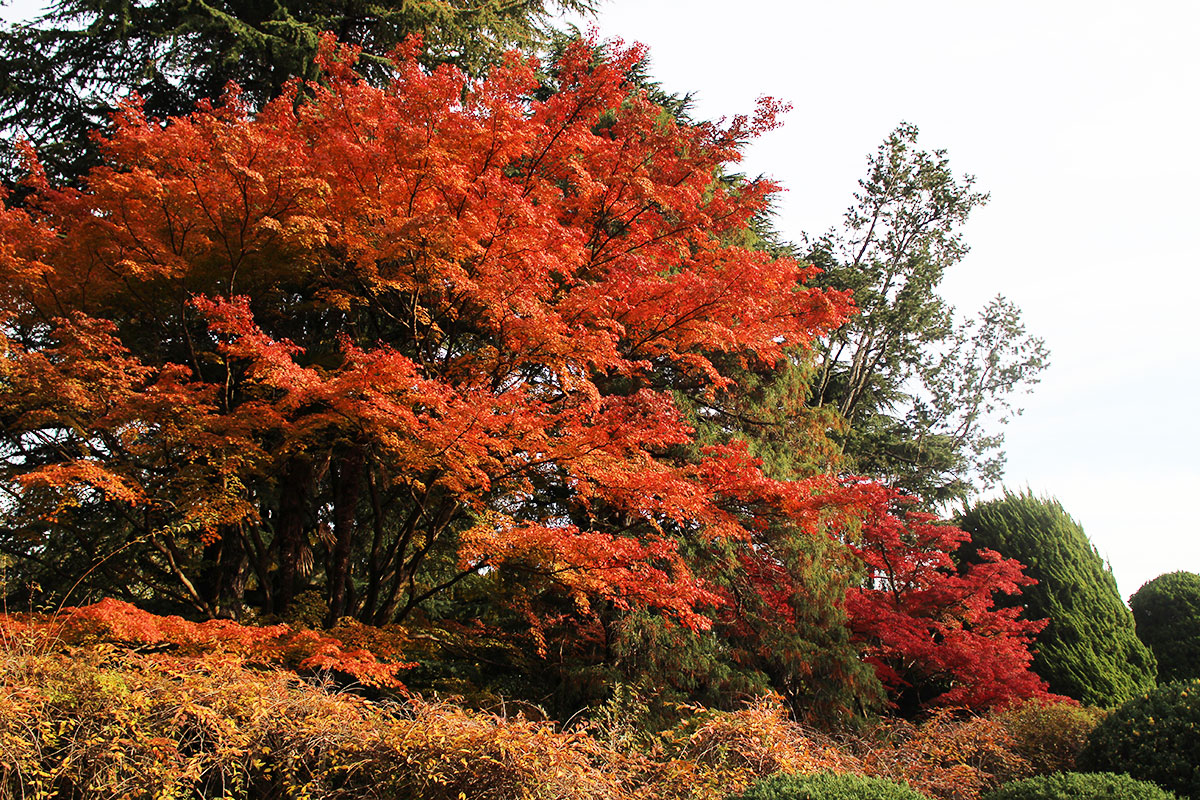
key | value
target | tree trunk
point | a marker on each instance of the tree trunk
(347, 485)
(223, 574)
(295, 490)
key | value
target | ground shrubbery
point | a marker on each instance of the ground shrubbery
(96, 724)
(949, 755)
(1049, 736)
(98, 721)
(760, 740)
(828, 786)
(1082, 786)
(112, 702)
(1154, 737)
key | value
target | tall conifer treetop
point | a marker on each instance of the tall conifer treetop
(1089, 650)
(922, 397)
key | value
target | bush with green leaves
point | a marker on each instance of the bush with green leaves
(1167, 613)
(1089, 650)
(828, 786)
(1080, 786)
(1154, 737)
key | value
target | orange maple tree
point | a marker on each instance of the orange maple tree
(379, 340)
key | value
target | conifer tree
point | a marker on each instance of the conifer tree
(61, 75)
(922, 396)
(1089, 650)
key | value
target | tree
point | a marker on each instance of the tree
(64, 73)
(934, 635)
(1166, 612)
(784, 616)
(388, 341)
(1089, 650)
(917, 393)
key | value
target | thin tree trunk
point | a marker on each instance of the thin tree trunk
(295, 490)
(347, 485)
(222, 582)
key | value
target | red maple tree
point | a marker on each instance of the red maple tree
(932, 632)
(380, 340)
(372, 342)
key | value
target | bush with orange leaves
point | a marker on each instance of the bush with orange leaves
(108, 702)
(756, 741)
(100, 723)
(117, 622)
(951, 755)
(96, 723)
(957, 756)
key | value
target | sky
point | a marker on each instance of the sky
(1081, 120)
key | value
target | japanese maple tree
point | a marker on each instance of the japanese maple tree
(934, 633)
(381, 341)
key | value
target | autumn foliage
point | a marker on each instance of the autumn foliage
(275, 646)
(451, 348)
(933, 632)
(394, 338)
(84, 716)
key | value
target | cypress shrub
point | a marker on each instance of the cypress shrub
(1089, 651)
(828, 786)
(1079, 786)
(1167, 613)
(1154, 737)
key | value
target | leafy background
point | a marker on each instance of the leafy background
(1072, 115)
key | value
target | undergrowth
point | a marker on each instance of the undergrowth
(110, 706)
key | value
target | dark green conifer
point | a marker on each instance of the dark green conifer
(1089, 651)
(1167, 613)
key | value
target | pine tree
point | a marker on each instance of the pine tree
(922, 396)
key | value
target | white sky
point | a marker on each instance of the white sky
(1081, 120)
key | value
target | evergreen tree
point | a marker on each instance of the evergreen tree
(1089, 650)
(1167, 613)
(61, 74)
(787, 616)
(918, 391)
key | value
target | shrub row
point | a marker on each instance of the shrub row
(95, 720)
(1058, 786)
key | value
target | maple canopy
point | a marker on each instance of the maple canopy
(515, 337)
(938, 635)
(389, 338)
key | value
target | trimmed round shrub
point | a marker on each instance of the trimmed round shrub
(1166, 611)
(828, 786)
(1080, 786)
(1154, 737)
